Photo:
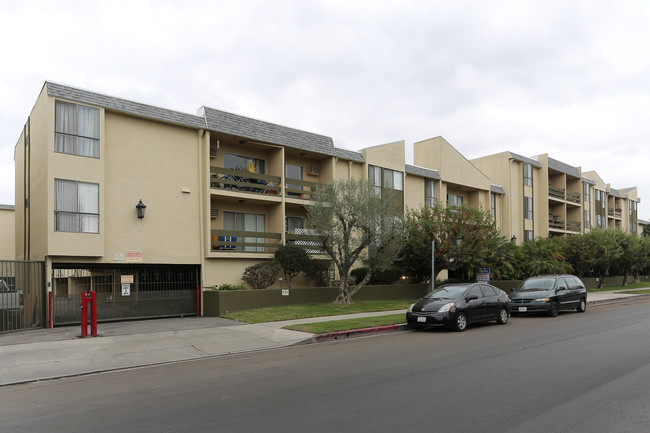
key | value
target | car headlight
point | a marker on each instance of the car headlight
(542, 299)
(410, 310)
(446, 307)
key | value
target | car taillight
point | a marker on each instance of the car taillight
(22, 300)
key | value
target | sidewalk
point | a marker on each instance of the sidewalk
(59, 352)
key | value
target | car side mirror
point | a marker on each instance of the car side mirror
(561, 288)
(469, 298)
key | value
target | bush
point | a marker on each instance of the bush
(320, 273)
(380, 276)
(261, 275)
(293, 260)
(227, 286)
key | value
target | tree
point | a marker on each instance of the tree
(603, 252)
(544, 256)
(466, 238)
(293, 261)
(350, 219)
(261, 275)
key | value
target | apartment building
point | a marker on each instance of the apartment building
(149, 206)
(546, 197)
(7, 232)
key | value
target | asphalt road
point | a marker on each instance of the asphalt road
(574, 373)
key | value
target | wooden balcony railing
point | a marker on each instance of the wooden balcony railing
(242, 180)
(573, 226)
(245, 241)
(556, 192)
(555, 222)
(310, 243)
(573, 196)
(306, 192)
(614, 212)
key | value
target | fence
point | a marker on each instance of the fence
(22, 293)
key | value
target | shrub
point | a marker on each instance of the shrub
(293, 260)
(261, 275)
(228, 286)
(380, 276)
(320, 273)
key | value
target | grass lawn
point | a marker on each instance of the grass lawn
(349, 324)
(289, 312)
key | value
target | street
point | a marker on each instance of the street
(573, 373)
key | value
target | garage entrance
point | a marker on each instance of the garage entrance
(125, 292)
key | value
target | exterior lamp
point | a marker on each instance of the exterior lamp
(140, 207)
(513, 238)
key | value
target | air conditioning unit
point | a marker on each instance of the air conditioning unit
(314, 170)
(214, 212)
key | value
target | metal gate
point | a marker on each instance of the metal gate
(125, 292)
(22, 292)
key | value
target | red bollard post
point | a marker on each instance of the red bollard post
(93, 313)
(84, 315)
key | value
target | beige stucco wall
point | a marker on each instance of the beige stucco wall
(7, 234)
(389, 156)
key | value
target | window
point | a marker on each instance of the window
(76, 206)
(293, 172)
(239, 221)
(633, 217)
(528, 235)
(374, 177)
(292, 223)
(76, 129)
(528, 174)
(429, 192)
(587, 219)
(493, 205)
(587, 192)
(393, 179)
(454, 200)
(528, 208)
(238, 162)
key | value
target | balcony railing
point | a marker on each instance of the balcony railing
(573, 196)
(310, 243)
(555, 222)
(242, 180)
(306, 192)
(245, 241)
(614, 212)
(556, 192)
(573, 226)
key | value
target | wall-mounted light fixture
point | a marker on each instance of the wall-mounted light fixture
(513, 238)
(140, 207)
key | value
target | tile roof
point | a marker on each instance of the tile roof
(124, 106)
(421, 171)
(526, 160)
(564, 168)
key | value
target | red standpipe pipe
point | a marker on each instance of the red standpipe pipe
(84, 315)
(49, 311)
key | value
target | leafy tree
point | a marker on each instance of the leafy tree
(544, 256)
(319, 273)
(466, 239)
(350, 220)
(261, 275)
(293, 261)
(603, 250)
(646, 231)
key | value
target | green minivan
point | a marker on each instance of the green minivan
(549, 294)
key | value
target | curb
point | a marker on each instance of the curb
(339, 335)
(619, 299)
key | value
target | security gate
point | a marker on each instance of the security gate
(22, 290)
(125, 292)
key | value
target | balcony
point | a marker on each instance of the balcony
(573, 226)
(556, 192)
(244, 181)
(300, 189)
(614, 212)
(305, 240)
(573, 197)
(245, 241)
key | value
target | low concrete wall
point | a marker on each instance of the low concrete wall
(220, 302)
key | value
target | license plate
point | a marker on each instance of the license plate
(523, 309)
(422, 319)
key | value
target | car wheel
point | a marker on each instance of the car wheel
(582, 306)
(503, 317)
(553, 309)
(461, 322)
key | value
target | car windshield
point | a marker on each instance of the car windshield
(537, 284)
(447, 292)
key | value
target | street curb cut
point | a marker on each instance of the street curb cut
(339, 335)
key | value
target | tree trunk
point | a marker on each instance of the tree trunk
(625, 279)
(344, 294)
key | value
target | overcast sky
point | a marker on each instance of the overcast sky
(571, 79)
